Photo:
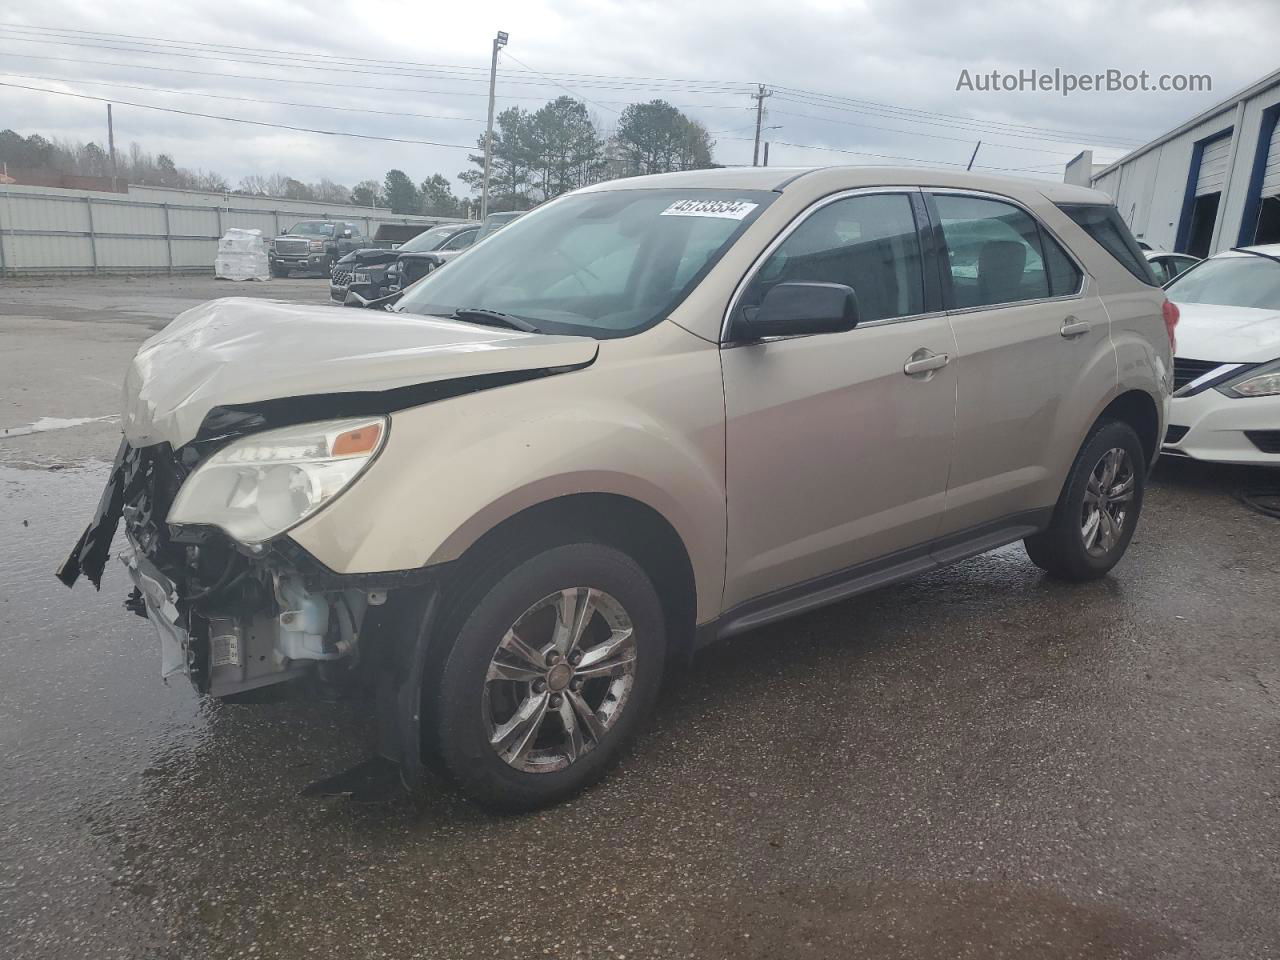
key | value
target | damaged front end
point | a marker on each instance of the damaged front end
(230, 616)
(242, 419)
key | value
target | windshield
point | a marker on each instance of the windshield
(602, 264)
(1246, 281)
(428, 239)
(311, 228)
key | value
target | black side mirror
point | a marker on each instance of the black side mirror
(794, 308)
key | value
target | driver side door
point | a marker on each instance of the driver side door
(838, 445)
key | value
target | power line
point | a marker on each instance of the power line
(333, 66)
(321, 83)
(819, 95)
(256, 123)
(914, 133)
(574, 93)
(328, 58)
(886, 156)
(327, 62)
(833, 102)
(974, 126)
(800, 96)
(430, 143)
(221, 96)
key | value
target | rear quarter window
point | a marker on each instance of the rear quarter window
(1102, 222)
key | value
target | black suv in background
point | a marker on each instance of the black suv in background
(313, 246)
(366, 271)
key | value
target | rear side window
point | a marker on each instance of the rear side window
(868, 243)
(994, 252)
(1102, 222)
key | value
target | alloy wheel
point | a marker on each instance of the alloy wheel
(559, 679)
(1107, 497)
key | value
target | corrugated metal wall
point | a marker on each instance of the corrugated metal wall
(78, 232)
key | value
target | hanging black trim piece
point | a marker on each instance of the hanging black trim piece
(89, 555)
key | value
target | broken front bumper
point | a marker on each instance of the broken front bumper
(160, 595)
(268, 618)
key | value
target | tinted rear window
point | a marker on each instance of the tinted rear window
(1103, 223)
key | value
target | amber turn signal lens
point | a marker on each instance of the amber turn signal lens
(360, 440)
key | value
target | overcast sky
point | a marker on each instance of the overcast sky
(885, 59)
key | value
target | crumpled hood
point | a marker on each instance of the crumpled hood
(239, 350)
(1227, 334)
(369, 255)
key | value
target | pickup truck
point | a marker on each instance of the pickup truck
(313, 246)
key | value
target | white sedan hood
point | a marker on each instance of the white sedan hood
(1228, 334)
(240, 350)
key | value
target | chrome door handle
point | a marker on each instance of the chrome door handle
(1071, 327)
(923, 361)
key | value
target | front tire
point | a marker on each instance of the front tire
(1098, 510)
(555, 664)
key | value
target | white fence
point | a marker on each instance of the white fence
(71, 231)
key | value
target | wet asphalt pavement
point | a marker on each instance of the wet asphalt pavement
(981, 763)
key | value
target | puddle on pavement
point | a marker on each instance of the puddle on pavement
(82, 709)
(45, 424)
(100, 759)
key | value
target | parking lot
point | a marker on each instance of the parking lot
(980, 763)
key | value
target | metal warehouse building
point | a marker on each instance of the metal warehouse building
(1211, 184)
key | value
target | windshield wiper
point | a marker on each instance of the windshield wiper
(493, 318)
(1256, 253)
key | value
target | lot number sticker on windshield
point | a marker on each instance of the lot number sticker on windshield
(722, 209)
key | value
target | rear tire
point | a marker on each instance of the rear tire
(519, 725)
(1098, 510)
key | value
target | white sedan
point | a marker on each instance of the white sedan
(1226, 400)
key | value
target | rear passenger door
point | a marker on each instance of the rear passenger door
(1033, 344)
(837, 445)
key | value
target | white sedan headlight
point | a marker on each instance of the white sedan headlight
(1264, 382)
(263, 484)
(1264, 385)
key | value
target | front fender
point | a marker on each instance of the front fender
(650, 429)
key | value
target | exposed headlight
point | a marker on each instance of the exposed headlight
(264, 484)
(1257, 382)
(316, 245)
(360, 278)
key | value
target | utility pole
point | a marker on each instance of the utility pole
(974, 156)
(111, 147)
(499, 42)
(766, 153)
(759, 98)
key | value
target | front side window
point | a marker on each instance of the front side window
(461, 240)
(995, 253)
(601, 264)
(1232, 281)
(427, 240)
(868, 243)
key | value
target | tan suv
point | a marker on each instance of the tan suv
(650, 413)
